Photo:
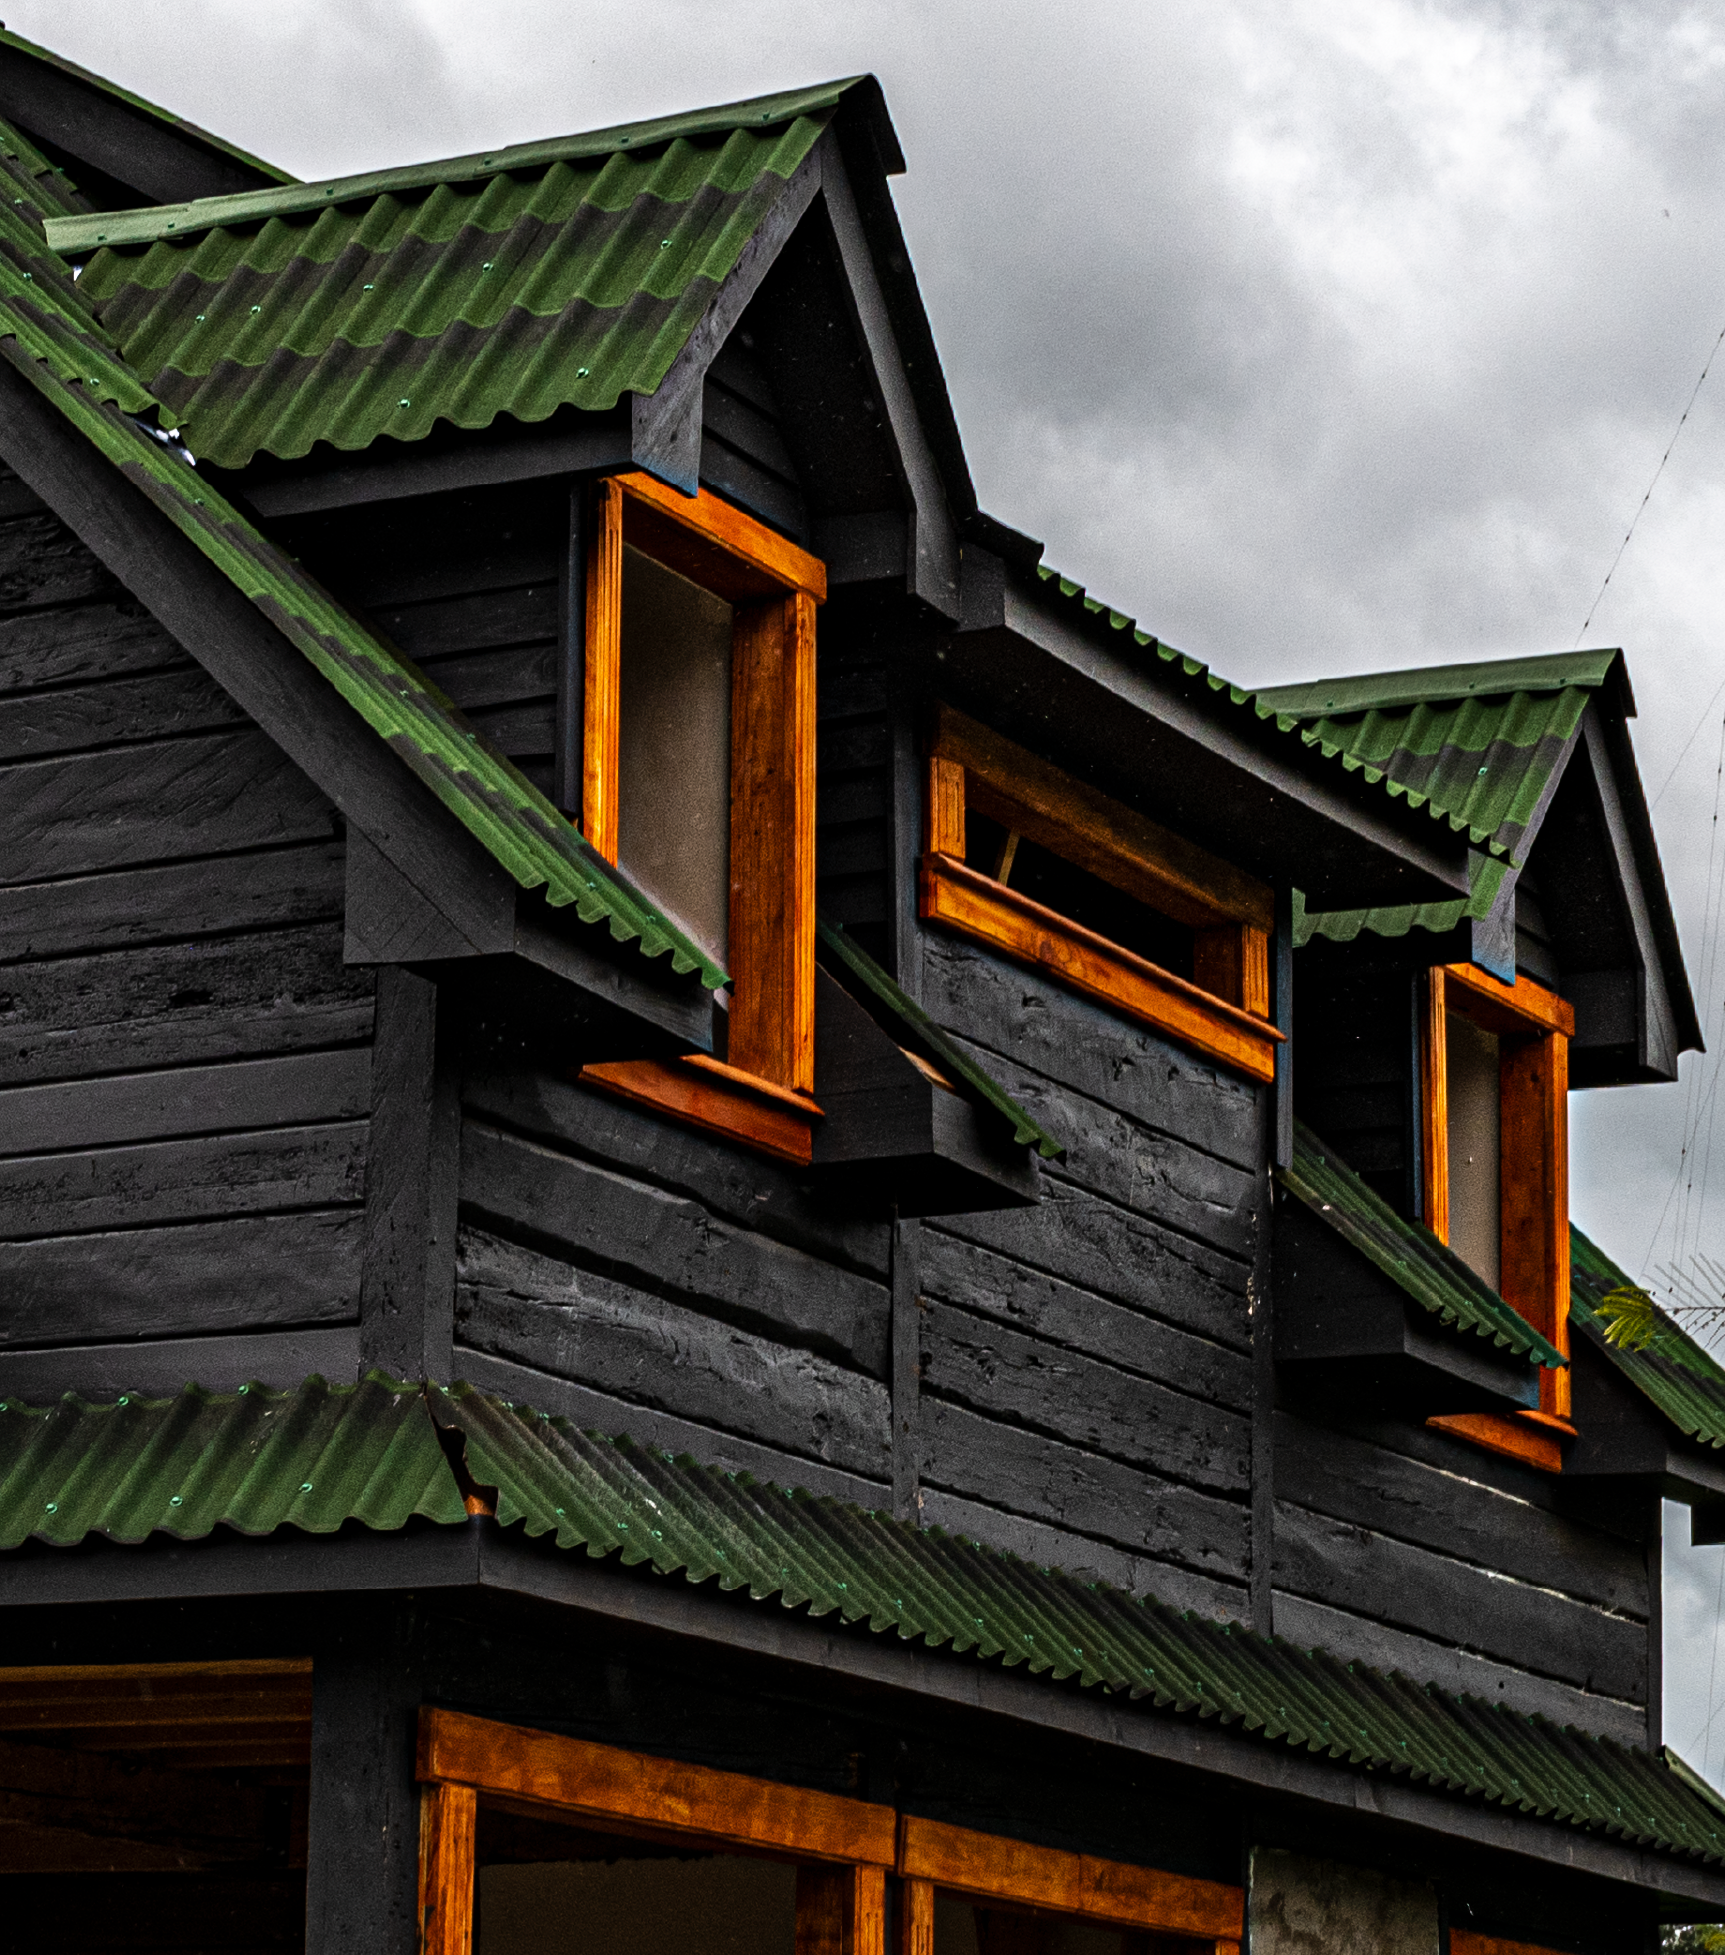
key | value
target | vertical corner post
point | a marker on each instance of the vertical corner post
(362, 1838)
(1433, 1113)
(841, 1910)
(906, 1402)
(601, 667)
(915, 1918)
(1279, 1006)
(568, 769)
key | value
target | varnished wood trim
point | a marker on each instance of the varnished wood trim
(772, 914)
(602, 671)
(981, 907)
(946, 808)
(1522, 1007)
(1434, 1107)
(1014, 786)
(1461, 1942)
(1232, 961)
(1510, 1436)
(915, 1917)
(602, 1782)
(720, 538)
(717, 1098)
(991, 1867)
(841, 1910)
(1533, 1195)
(448, 1819)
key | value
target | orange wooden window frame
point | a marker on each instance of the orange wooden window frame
(1463, 1942)
(760, 1094)
(1535, 1025)
(1223, 1011)
(844, 1847)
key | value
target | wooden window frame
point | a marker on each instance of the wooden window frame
(1222, 1012)
(762, 1092)
(845, 1848)
(1535, 1026)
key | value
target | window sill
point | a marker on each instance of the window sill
(1534, 1438)
(719, 1099)
(981, 907)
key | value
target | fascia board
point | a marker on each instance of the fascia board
(1382, 853)
(932, 559)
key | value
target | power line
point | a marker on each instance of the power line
(1659, 471)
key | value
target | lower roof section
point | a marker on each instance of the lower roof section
(384, 1454)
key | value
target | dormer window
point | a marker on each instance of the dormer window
(698, 780)
(1494, 1167)
(1072, 882)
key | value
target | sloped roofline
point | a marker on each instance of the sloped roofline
(1366, 692)
(181, 127)
(72, 235)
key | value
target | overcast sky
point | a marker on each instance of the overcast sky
(1320, 335)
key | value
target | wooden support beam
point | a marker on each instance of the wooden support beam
(915, 1918)
(448, 1830)
(602, 653)
(1533, 1196)
(906, 1370)
(1434, 1107)
(841, 1910)
(601, 1782)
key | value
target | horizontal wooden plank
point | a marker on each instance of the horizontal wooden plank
(440, 628)
(183, 899)
(718, 1099)
(1523, 1006)
(1463, 1942)
(101, 640)
(43, 563)
(741, 548)
(1080, 823)
(182, 1180)
(160, 1366)
(1159, 1174)
(1049, 1030)
(1032, 934)
(669, 1243)
(1371, 1485)
(195, 1279)
(292, 1091)
(1097, 1245)
(1435, 1595)
(495, 678)
(992, 1867)
(517, 1304)
(521, 729)
(1029, 1300)
(602, 1782)
(197, 1001)
(1043, 1387)
(1044, 1479)
(69, 719)
(205, 795)
(745, 1188)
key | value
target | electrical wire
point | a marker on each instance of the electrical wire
(1694, 395)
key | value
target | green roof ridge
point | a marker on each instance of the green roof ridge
(1026, 1132)
(146, 226)
(1385, 691)
(153, 110)
(1408, 1253)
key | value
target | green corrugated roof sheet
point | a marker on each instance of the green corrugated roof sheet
(1681, 1379)
(1480, 745)
(253, 1460)
(1407, 1252)
(155, 113)
(1026, 1132)
(561, 274)
(321, 1455)
(1485, 878)
(48, 334)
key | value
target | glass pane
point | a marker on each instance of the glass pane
(1474, 1230)
(710, 1904)
(674, 741)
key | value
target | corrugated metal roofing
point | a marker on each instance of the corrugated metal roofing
(1407, 1252)
(1482, 763)
(1026, 1132)
(558, 275)
(316, 1457)
(253, 1460)
(1485, 875)
(155, 113)
(49, 337)
(1680, 1378)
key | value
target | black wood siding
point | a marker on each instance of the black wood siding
(184, 1064)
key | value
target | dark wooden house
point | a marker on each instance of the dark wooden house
(723, 1222)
